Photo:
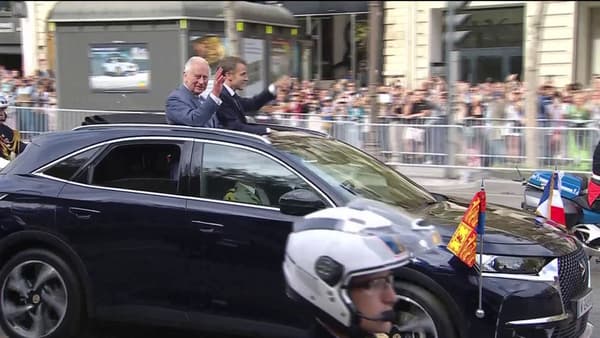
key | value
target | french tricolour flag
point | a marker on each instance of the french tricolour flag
(551, 205)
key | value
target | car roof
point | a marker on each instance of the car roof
(46, 148)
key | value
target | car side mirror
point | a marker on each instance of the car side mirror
(300, 202)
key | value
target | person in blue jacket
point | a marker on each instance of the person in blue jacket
(186, 106)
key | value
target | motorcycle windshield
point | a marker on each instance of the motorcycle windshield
(571, 185)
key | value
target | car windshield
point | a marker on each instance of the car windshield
(351, 171)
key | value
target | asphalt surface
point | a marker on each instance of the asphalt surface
(500, 188)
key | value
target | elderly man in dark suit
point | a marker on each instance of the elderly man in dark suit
(232, 112)
(186, 106)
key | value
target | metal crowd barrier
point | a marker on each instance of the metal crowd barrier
(33, 121)
(480, 143)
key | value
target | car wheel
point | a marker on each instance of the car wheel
(421, 313)
(40, 296)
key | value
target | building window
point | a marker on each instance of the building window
(493, 27)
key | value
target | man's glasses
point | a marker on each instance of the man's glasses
(375, 284)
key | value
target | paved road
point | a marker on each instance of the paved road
(503, 192)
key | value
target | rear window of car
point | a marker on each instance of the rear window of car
(150, 167)
(69, 167)
(11, 164)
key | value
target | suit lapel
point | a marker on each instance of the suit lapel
(235, 103)
(191, 96)
(196, 100)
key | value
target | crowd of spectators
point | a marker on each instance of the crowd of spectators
(492, 115)
(35, 91)
(30, 95)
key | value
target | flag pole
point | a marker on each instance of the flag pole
(551, 195)
(480, 313)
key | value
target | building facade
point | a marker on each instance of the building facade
(499, 42)
(333, 38)
(25, 42)
(335, 35)
(10, 37)
(37, 37)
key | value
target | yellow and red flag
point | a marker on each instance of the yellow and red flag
(463, 243)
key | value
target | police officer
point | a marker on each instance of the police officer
(339, 263)
(10, 140)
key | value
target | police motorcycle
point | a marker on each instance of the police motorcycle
(580, 195)
(583, 220)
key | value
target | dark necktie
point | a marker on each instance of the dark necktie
(235, 98)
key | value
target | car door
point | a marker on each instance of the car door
(124, 214)
(237, 251)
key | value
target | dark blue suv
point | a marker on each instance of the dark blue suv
(172, 225)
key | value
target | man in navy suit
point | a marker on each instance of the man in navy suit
(186, 106)
(232, 112)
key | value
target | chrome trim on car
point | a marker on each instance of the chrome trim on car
(541, 320)
(39, 172)
(208, 223)
(125, 139)
(169, 126)
(549, 273)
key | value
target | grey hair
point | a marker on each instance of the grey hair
(192, 60)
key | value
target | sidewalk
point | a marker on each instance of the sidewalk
(465, 178)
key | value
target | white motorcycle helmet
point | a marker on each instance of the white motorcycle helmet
(329, 247)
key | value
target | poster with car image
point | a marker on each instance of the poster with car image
(119, 67)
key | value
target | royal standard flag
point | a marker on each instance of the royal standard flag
(463, 243)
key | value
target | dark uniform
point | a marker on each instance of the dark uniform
(10, 142)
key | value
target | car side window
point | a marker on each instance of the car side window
(244, 176)
(150, 167)
(68, 167)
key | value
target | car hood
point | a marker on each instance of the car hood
(507, 230)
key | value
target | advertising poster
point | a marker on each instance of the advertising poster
(253, 50)
(212, 48)
(281, 58)
(209, 46)
(119, 67)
